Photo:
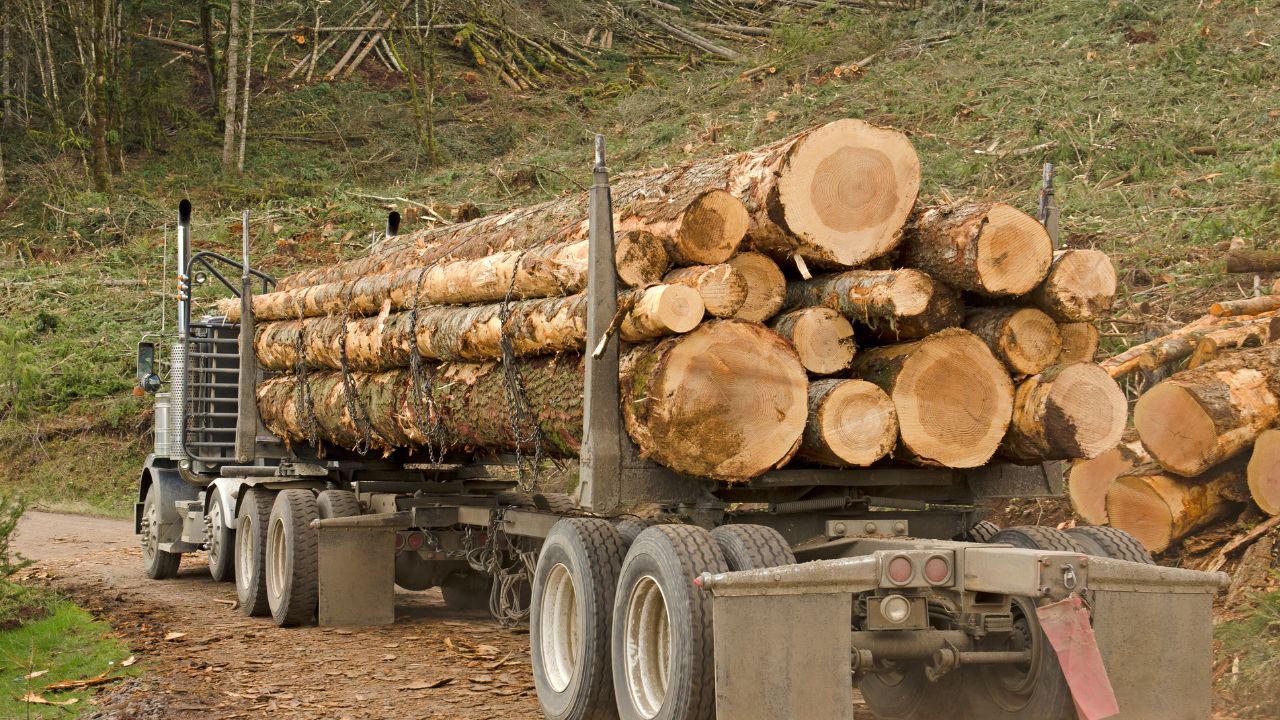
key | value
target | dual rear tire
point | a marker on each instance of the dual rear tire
(620, 630)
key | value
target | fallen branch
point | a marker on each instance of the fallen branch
(1247, 539)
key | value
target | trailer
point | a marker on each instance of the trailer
(651, 595)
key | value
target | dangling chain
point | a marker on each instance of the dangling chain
(426, 416)
(525, 428)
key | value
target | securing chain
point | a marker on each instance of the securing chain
(302, 387)
(426, 416)
(355, 406)
(525, 429)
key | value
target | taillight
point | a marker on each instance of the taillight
(399, 541)
(900, 570)
(416, 540)
(937, 570)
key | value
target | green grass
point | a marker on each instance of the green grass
(66, 641)
(1254, 644)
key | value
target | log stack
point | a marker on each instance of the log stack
(789, 304)
(1202, 446)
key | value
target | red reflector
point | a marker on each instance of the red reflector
(417, 540)
(900, 569)
(399, 541)
(936, 569)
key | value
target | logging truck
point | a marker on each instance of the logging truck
(649, 593)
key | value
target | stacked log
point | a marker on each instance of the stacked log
(729, 368)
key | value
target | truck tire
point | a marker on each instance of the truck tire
(661, 644)
(554, 502)
(337, 504)
(1109, 542)
(1030, 691)
(630, 528)
(1034, 537)
(159, 564)
(904, 692)
(982, 532)
(251, 549)
(293, 569)
(467, 591)
(751, 547)
(569, 623)
(222, 542)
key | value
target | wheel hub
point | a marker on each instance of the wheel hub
(648, 650)
(559, 641)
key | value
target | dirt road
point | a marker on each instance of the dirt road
(433, 663)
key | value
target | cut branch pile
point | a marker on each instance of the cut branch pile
(469, 337)
(1202, 445)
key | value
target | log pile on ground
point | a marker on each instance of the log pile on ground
(1202, 446)
(788, 304)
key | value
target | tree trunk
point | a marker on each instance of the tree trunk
(1253, 261)
(1264, 472)
(726, 401)
(895, 304)
(1025, 339)
(1199, 418)
(1089, 480)
(1080, 287)
(837, 193)
(1159, 509)
(1168, 346)
(248, 67)
(1079, 342)
(100, 169)
(1064, 413)
(953, 397)
(766, 286)
(822, 337)
(443, 332)
(1245, 306)
(723, 289)
(851, 423)
(989, 248)
(233, 82)
(1254, 333)
(210, 58)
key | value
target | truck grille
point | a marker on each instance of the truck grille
(212, 380)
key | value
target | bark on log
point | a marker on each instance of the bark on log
(989, 248)
(1089, 480)
(726, 401)
(1253, 261)
(1264, 472)
(536, 327)
(1079, 342)
(1025, 339)
(1081, 286)
(1169, 346)
(836, 194)
(1159, 509)
(822, 337)
(1064, 413)
(1245, 306)
(851, 423)
(766, 286)
(1246, 335)
(722, 288)
(1199, 418)
(896, 304)
(953, 397)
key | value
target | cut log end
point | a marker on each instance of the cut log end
(727, 401)
(641, 258)
(1086, 411)
(847, 188)
(1014, 252)
(766, 286)
(722, 288)
(851, 423)
(711, 228)
(1089, 481)
(1079, 342)
(1264, 472)
(1080, 287)
(1134, 506)
(822, 337)
(1176, 429)
(1026, 339)
(663, 310)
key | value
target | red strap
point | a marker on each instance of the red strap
(1066, 624)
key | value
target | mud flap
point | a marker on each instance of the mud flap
(357, 576)
(1066, 624)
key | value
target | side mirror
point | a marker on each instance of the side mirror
(147, 377)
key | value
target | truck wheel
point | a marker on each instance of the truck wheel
(630, 528)
(982, 532)
(573, 595)
(467, 591)
(222, 542)
(750, 547)
(1034, 537)
(903, 692)
(159, 564)
(293, 569)
(251, 548)
(1109, 542)
(1035, 690)
(337, 504)
(554, 502)
(661, 644)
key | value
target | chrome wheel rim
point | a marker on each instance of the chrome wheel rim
(648, 647)
(215, 532)
(275, 559)
(244, 553)
(558, 628)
